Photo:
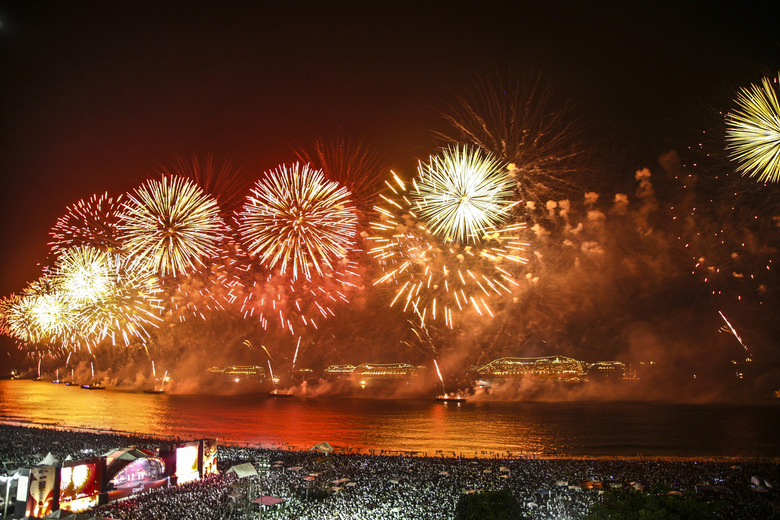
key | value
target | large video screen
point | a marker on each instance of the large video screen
(148, 469)
(77, 487)
(187, 463)
(209, 457)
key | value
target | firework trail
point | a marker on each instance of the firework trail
(443, 390)
(170, 225)
(753, 131)
(271, 371)
(733, 331)
(89, 222)
(436, 277)
(295, 356)
(297, 220)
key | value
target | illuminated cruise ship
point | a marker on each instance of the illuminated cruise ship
(549, 367)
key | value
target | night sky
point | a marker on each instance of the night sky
(95, 96)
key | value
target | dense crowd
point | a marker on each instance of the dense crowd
(317, 486)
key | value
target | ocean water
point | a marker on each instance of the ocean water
(414, 425)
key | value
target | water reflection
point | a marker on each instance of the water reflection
(413, 425)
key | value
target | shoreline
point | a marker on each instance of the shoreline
(342, 450)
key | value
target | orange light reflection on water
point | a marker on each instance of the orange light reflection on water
(361, 424)
(424, 426)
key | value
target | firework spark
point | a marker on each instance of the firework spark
(298, 220)
(273, 298)
(435, 277)
(89, 222)
(170, 225)
(462, 192)
(753, 131)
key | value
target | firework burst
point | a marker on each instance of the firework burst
(436, 278)
(297, 220)
(84, 274)
(462, 192)
(753, 131)
(170, 225)
(523, 122)
(41, 315)
(15, 321)
(125, 312)
(89, 222)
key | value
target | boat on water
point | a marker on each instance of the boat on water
(455, 398)
(93, 386)
(154, 391)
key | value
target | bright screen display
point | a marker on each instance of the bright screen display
(187, 463)
(77, 482)
(148, 469)
(77, 487)
(209, 457)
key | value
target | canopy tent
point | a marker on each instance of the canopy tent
(128, 454)
(243, 470)
(267, 500)
(117, 460)
(324, 447)
(48, 460)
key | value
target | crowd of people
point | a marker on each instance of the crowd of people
(316, 485)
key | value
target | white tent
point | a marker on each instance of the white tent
(324, 447)
(243, 470)
(48, 460)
